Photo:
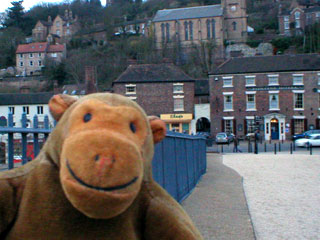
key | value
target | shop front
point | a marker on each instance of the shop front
(178, 122)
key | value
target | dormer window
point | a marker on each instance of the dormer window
(233, 8)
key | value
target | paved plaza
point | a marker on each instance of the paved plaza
(281, 197)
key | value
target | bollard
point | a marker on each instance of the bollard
(270, 140)
(249, 146)
(255, 147)
(279, 147)
(294, 146)
(290, 148)
(275, 148)
(310, 149)
(265, 147)
(221, 148)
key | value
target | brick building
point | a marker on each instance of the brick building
(62, 27)
(30, 58)
(222, 22)
(295, 19)
(280, 95)
(162, 90)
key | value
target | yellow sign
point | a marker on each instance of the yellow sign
(174, 116)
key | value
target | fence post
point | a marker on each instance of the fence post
(249, 144)
(35, 136)
(24, 139)
(265, 147)
(275, 148)
(10, 142)
(290, 148)
(279, 146)
(294, 146)
(310, 149)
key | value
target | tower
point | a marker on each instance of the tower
(235, 20)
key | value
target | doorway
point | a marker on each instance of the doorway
(274, 129)
(203, 125)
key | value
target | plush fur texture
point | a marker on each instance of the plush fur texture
(93, 179)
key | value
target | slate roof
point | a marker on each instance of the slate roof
(25, 98)
(46, 23)
(201, 87)
(163, 72)
(312, 9)
(278, 63)
(188, 13)
(56, 48)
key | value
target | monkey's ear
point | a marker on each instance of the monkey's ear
(58, 104)
(158, 128)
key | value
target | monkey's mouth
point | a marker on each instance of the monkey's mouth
(107, 189)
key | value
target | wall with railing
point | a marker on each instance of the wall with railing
(178, 164)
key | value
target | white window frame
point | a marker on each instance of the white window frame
(39, 110)
(294, 82)
(273, 83)
(30, 63)
(25, 109)
(39, 54)
(225, 104)
(131, 86)
(286, 22)
(20, 55)
(39, 63)
(58, 32)
(248, 78)
(54, 55)
(178, 85)
(11, 110)
(227, 81)
(175, 98)
(30, 55)
(294, 99)
(249, 105)
(21, 64)
(272, 107)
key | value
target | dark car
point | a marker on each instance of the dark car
(305, 134)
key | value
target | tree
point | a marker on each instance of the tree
(15, 15)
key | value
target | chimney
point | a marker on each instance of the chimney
(49, 19)
(90, 79)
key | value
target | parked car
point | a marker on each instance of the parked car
(304, 134)
(313, 139)
(224, 137)
(250, 136)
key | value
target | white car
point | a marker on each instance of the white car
(313, 140)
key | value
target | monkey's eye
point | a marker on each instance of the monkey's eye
(133, 127)
(87, 117)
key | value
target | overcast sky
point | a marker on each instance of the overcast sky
(27, 4)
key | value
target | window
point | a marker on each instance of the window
(273, 79)
(297, 79)
(178, 103)
(286, 22)
(234, 26)
(21, 55)
(309, 19)
(39, 109)
(251, 102)
(31, 63)
(228, 103)
(274, 101)
(58, 23)
(40, 63)
(58, 32)
(227, 82)
(233, 8)
(131, 89)
(39, 55)
(186, 31)
(68, 31)
(297, 19)
(30, 55)
(21, 64)
(178, 88)
(298, 126)
(298, 101)
(11, 110)
(54, 55)
(211, 29)
(318, 78)
(286, 18)
(25, 109)
(191, 30)
(250, 80)
(228, 125)
(250, 125)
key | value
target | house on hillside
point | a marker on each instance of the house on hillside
(30, 58)
(280, 95)
(222, 22)
(62, 28)
(294, 20)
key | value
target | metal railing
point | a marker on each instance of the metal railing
(179, 160)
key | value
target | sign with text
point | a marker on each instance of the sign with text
(271, 88)
(176, 116)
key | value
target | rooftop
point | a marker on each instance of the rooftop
(188, 13)
(163, 72)
(278, 63)
(25, 98)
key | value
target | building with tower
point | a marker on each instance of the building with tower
(225, 22)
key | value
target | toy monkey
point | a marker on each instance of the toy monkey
(92, 178)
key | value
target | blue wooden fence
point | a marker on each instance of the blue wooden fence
(178, 164)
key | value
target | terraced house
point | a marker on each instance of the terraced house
(222, 22)
(280, 95)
